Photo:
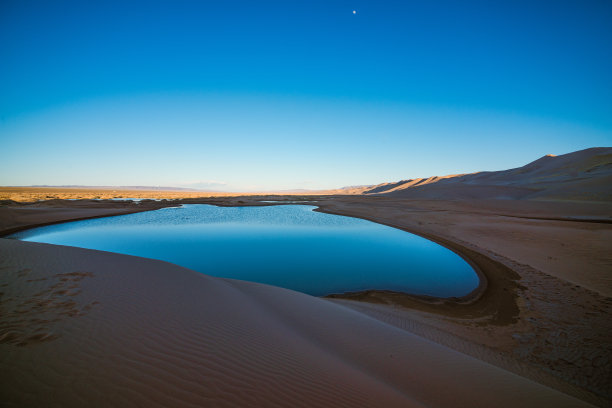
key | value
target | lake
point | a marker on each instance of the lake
(290, 246)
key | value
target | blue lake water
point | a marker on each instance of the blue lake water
(285, 245)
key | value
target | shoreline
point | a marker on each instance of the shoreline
(497, 304)
(547, 308)
(435, 304)
(460, 250)
(116, 210)
(479, 263)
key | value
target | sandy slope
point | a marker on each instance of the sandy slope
(557, 269)
(84, 327)
(584, 175)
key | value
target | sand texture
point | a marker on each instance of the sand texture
(83, 327)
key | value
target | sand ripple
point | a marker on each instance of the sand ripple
(162, 335)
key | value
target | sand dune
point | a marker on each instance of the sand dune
(585, 175)
(99, 329)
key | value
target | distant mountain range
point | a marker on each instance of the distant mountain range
(585, 175)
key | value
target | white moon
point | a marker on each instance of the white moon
(354, 12)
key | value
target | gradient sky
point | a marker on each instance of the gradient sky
(265, 95)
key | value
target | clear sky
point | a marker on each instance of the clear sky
(265, 95)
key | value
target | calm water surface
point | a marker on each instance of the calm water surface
(286, 245)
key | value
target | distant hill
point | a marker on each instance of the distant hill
(131, 188)
(585, 175)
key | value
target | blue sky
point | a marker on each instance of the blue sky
(245, 95)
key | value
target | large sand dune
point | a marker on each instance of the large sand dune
(88, 328)
(585, 175)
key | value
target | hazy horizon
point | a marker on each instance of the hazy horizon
(278, 95)
(221, 189)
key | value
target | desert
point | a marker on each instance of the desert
(536, 331)
(305, 204)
